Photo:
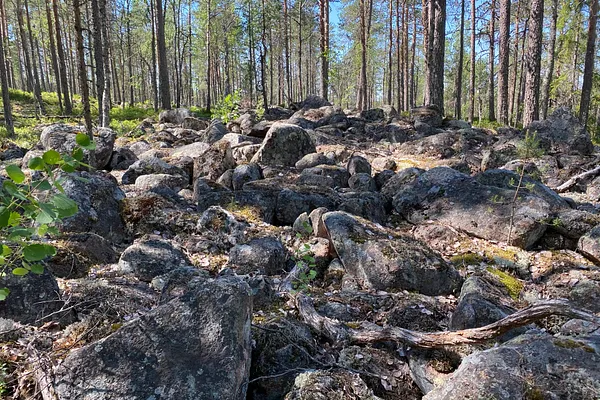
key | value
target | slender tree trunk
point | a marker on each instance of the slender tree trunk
(62, 66)
(263, 56)
(30, 63)
(153, 70)
(106, 64)
(83, 81)
(472, 71)
(130, 56)
(208, 62)
(513, 88)
(434, 75)
(399, 52)
(286, 39)
(492, 33)
(98, 45)
(53, 55)
(390, 51)
(459, 69)
(324, 46)
(163, 71)
(504, 61)
(588, 71)
(551, 48)
(533, 61)
(8, 119)
(300, 82)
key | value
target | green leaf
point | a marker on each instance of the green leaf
(42, 230)
(18, 233)
(13, 190)
(37, 269)
(67, 167)
(47, 214)
(20, 271)
(42, 185)
(78, 154)
(15, 173)
(52, 230)
(37, 251)
(6, 251)
(84, 141)
(36, 164)
(4, 217)
(52, 157)
(65, 206)
(14, 219)
(4, 292)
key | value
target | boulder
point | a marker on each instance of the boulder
(196, 346)
(532, 366)
(312, 160)
(429, 115)
(150, 166)
(312, 101)
(383, 260)
(330, 384)
(339, 175)
(76, 253)
(154, 181)
(61, 137)
(140, 147)
(32, 297)
(284, 145)
(245, 173)
(265, 255)
(150, 257)
(193, 150)
(195, 124)
(98, 198)
(215, 131)
(589, 244)
(562, 132)
(214, 161)
(121, 159)
(373, 115)
(358, 164)
(176, 116)
(362, 182)
(291, 203)
(449, 197)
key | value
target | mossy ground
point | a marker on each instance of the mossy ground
(512, 284)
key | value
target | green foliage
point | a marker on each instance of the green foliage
(530, 146)
(305, 261)
(512, 284)
(29, 210)
(228, 108)
(131, 113)
(3, 379)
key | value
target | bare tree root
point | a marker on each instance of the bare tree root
(371, 333)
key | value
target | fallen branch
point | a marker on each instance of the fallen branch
(576, 179)
(370, 333)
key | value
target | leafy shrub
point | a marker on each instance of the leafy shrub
(228, 108)
(29, 209)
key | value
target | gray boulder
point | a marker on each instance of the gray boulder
(562, 132)
(154, 181)
(449, 197)
(312, 160)
(98, 198)
(312, 101)
(215, 131)
(532, 366)
(339, 175)
(151, 257)
(380, 262)
(176, 116)
(266, 255)
(196, 346)
(150, 166)
(362, 182)
(330, 384)
(213, 162)
(373, 115)
(589, 244)
(284, 145)
(61, 137)
(358, 164)
(245, 173)
(121, 159)
(194, 124)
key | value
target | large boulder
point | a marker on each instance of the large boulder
(312, 101)
(266, 255)
(32, 298)
(214, 161)
(383, 260)
(61, 137)
(449, 197)
(150, 166)
(562, 132)
(196, 346)
(284, 145)
(175, 116)
(150, 257)
(532, 366)
(98, 198)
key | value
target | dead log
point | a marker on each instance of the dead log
(576, 179)
(371, 333)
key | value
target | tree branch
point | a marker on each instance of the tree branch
(370, 333)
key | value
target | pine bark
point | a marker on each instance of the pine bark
(82, 70)
(8, 119)
(503, 61)
(588, 69)
(163, 69)
(533, 63)
(459, 68)
(492, 34)
(62, 66)
(551, 49)
(472, 71)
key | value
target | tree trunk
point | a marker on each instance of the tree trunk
(391, 50)
(153, 70)
(98, 44)
(434, 75)
(513, 88)
(588, 70)
(492, 34)
(533, 61)
(504, 61)
(472, 71)
(29, 58)
(62, 66)
(208, 66)
(551, 48)
(324, 46)
(459, 69)
(163, 71)
(263, 58)
(83, 81)
(8, 119)
(53, 55)
(106, 63)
